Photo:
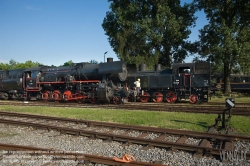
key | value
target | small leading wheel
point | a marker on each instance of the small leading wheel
(193, 99)
(171, 97)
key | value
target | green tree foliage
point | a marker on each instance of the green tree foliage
(12, 64)
(149, 31)
(4, 66)
(15, 65)
(225, 40)
(69, 63)
(93, 62)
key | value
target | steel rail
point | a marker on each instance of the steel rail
(125, 139)
(224, 137)
(77, 156)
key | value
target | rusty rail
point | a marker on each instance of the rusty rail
(77, 156)
(164, 107)
(158, 142)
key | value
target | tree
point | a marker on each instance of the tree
(93, 62)
(149, 31)
(4, 66)
(69, 63)
(12, 64)
(27, 64)
(15, 65)
(225, 40)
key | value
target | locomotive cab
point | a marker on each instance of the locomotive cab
(181, 76)
(31, 79)
(182, 79)
(31, 84)
(192, 81)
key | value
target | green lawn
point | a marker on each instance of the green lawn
(238, 98)
(184, 121)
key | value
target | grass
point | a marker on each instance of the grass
(239, 98)
(222, 99)
(175, 120)
(4, 134)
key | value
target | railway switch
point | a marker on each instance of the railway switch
(230, 103)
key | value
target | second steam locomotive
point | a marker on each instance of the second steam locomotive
(113, 81)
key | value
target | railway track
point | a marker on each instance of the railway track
(205, 109)
(207, 144)
(67, 155)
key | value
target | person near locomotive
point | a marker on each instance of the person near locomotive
(138, 86)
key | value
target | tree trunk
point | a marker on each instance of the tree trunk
(227, 72)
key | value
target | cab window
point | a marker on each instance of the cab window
(34, 74)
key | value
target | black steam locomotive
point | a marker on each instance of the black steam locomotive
(107, 82)
(81, 82)
(184, 81)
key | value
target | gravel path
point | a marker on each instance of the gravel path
(52, 139)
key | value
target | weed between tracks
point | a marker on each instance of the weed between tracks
(175, 120)
(5, 134)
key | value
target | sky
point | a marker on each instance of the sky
(53, 32)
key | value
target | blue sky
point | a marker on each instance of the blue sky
(54, 32)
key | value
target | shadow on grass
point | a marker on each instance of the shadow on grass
(202, 124)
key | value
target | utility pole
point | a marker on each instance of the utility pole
(104, 55)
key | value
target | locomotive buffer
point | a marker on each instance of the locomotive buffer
(230, 103)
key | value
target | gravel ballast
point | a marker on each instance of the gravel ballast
(28, 136)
